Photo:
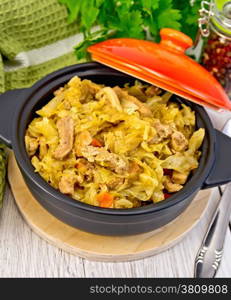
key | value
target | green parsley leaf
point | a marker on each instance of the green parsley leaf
(150, 4)
(73, 9)
(169, 18)
(141, 19)
(130, 25)
(190, 15)
(89, 13)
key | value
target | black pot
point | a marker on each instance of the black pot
(18, 109)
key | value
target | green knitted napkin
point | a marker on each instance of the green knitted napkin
(35, 39)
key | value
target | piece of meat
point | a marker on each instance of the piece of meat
(163, 132)
(179, 178)
(31, 145)
(66, 137)
(86, 169)
(143, 109)
(170, 186)
(67, 183)
(113, 184)
(178, 141)
(89, 90)
(82, 140)
(85, 90)
(133, 170)
(152, 91)
(105, 158)
(110, 95)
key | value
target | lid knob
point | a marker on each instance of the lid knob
(175, 40)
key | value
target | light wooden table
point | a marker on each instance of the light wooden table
(24, 254)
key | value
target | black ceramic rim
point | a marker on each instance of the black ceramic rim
(47, 85)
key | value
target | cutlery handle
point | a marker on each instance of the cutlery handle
(209, 256)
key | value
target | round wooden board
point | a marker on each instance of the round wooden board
(96, 247)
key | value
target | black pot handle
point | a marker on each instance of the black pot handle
(221, 171)
(9, 104)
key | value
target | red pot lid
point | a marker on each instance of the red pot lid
(165, 65)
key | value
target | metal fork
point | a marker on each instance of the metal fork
(209, 256)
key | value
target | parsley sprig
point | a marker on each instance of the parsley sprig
(141, 19)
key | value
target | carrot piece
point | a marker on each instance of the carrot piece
(167, 195)
(79, 165)
(96, 143)
(105, 200)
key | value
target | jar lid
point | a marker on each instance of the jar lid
(221, 18)
(165, 65)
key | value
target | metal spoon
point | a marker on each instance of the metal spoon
(209, 256)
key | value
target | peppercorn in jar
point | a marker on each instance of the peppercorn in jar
(215, 25)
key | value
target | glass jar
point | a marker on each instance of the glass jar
(215, 25)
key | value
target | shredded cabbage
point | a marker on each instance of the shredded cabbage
(130, 145)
